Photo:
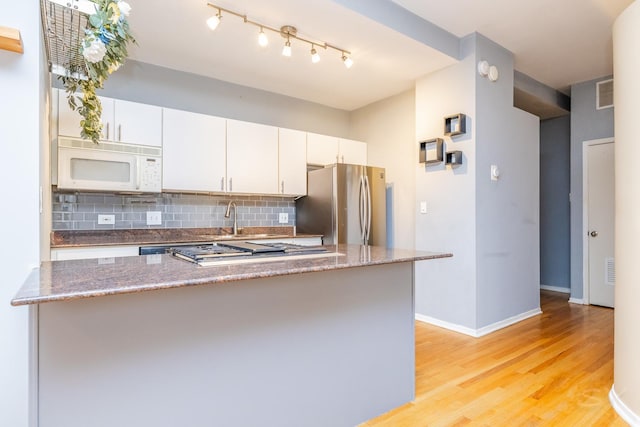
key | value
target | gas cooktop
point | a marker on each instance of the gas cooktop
(207, 253)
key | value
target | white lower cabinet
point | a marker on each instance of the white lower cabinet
(106, 253)
(252, 158)
(194, 151)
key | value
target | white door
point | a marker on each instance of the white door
(600, 214)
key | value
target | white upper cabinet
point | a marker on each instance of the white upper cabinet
(193, 152)
(122, 121)
(326, 150)
(69, 120)
(137, 123)
(252, 158)
(322, 149)
(352, 152)
(292, 147)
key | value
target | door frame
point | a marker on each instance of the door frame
(585, 213)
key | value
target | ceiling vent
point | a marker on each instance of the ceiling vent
(604, 94)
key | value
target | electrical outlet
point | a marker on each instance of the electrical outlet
(283, 218)
(154, 218)
(106, 219)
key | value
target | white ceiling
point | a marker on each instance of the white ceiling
(175, 35)
(555, 42)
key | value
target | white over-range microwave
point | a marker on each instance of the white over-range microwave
(108, 166)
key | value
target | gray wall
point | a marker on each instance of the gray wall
(507, 210)
(587, 123)
(389, 127)
(492, 228)
(555, 233)
(150, 84)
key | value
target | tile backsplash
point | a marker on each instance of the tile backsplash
(79, 211)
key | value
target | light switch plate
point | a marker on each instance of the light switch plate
(423, 207)
(283, 218)
(106, 219)
(154, 218)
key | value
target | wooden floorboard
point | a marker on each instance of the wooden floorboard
(555, 369)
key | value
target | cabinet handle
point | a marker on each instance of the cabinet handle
(230, 184)
(222, 184)
(282, 187)
(119, 132)
(107, 137)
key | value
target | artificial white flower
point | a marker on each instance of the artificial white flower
(95, 51)
(124, 7)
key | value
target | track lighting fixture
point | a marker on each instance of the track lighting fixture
(286, 50)
(287, 31)
(262, 38)
(348, 62)
(214, 21)
(315, 58)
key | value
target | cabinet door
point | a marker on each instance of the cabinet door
(321, 149)
(252, 158)
(106, 253)
(292, 153)
(193, 151)
(353, 152)
(69, 120)
(138, 123)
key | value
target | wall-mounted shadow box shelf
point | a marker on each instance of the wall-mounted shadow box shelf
(431, 151)
(455, 125)
(453, 158)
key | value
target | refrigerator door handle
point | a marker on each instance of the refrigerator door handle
(362, 207)
(368, 218)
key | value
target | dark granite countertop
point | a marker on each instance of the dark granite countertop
(68, 280)
(151, 236)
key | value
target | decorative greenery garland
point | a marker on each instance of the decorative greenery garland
(104, 48)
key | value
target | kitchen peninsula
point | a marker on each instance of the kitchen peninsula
(315, 341)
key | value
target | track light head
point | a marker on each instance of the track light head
(286, 50)
(348, 62)
(262, 38)
(214, 21)
(315, 58)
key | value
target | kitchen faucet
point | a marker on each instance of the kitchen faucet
(235, 216)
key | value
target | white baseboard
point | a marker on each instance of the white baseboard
(576, 301)
(623, 410)
(482, 331)
(555, 289)
(446, 325)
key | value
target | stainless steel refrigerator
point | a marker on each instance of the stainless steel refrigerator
(346, 204)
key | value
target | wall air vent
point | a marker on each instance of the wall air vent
(604, 94)
(610, 271)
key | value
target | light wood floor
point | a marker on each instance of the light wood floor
(555, 369)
